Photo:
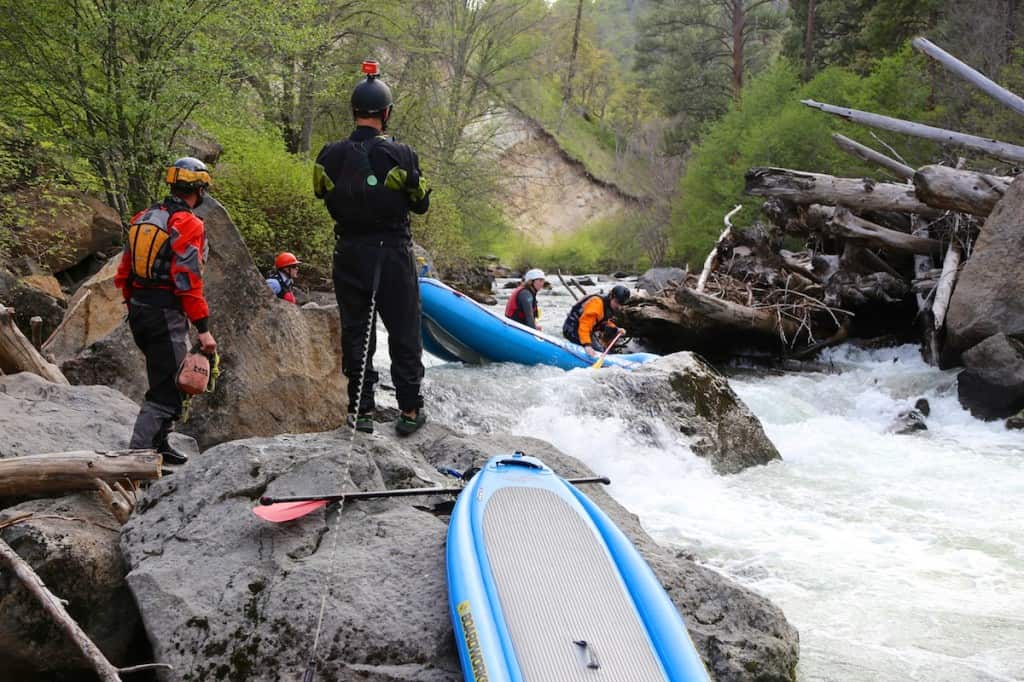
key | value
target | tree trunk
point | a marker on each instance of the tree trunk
(567, 96)
(845, 225)
(813, 188)
(944, 290)
(17, 354)
(959, 190)
(1000, 150)
(739, 16)
(62, 472)
(809, 40)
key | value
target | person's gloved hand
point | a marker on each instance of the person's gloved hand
(413, 184)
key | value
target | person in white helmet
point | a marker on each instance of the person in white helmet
(522, 304)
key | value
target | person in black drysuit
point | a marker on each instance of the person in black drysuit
(369, 183)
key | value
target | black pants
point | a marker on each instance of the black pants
(398, 303)
(162, 336)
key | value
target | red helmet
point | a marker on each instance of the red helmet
(285, 260)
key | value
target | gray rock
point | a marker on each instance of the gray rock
(72, 544)
(1016, 422)
(912, 420)
(29, 300)
(655, 280)
(992, 386)
(38, 417)
(987, 298)
(698, 402)
(252, 613)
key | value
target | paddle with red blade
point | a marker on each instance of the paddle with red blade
(280, 509)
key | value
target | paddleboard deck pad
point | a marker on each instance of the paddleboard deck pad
(543, 587)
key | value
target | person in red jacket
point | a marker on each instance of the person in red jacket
(161, 278)
(286, 269)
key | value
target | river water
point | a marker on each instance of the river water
(896, 557)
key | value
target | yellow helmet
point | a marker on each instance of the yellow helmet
(188, 174)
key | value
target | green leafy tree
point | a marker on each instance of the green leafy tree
(116, 80)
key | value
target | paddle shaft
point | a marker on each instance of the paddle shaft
(402, 492)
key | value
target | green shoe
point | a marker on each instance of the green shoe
(363, 423)
(409, 425)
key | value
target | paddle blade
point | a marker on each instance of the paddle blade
(286, 511)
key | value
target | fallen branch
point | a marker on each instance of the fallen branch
(865, 153)
(67, 471)
(712, 259)
(735, 315)
(53, 606)
(975, 78)
(944, 289)
(1000, 150)
(853, 228)
(566, 285)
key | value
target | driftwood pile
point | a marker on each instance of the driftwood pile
(881, 256)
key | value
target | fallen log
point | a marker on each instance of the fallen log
(865, 153)
(975, 78)
(66, 471)
(845, 225)
(861, 194)
(1000, 150)
(944, 289)
(762, 320)
(17, 354)
(959, 190)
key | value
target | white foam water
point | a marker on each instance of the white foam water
(897, 557)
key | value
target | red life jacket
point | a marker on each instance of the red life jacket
(512, 309)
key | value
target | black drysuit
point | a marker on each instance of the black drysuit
(373, 256)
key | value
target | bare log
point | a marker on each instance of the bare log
(959, 190)
(17, 354)
(53, 606)
(814, 188)
(944, 290)
(566, 285)
(1000, 150)
(712, 259)
(66, 471)
(848, 226)
(763, 320)
(975, 78)
(865, 153)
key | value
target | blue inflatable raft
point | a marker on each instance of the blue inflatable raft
(542, 586)
(457, 328)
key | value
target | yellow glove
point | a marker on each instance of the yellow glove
(398, 180)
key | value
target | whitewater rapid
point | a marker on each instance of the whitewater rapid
(896, 557)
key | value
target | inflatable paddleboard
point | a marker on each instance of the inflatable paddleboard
(543, 587)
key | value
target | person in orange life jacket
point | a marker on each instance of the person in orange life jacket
(522, 304)
(161, 278)
(286, 269)
(369, 183)
(589, 322)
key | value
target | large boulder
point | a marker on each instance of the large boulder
(31, 296)
(280, 364)
(252, 613)
(37, 417)
(71, 542)
(63, 228)
(992, 386)
(698, 402)
(987, 298)
(96, 309)
(656, 280)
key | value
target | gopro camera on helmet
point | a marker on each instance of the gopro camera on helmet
(371, 68)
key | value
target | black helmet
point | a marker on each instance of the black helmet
(372, 96)
(188, 174)
(619, 293)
